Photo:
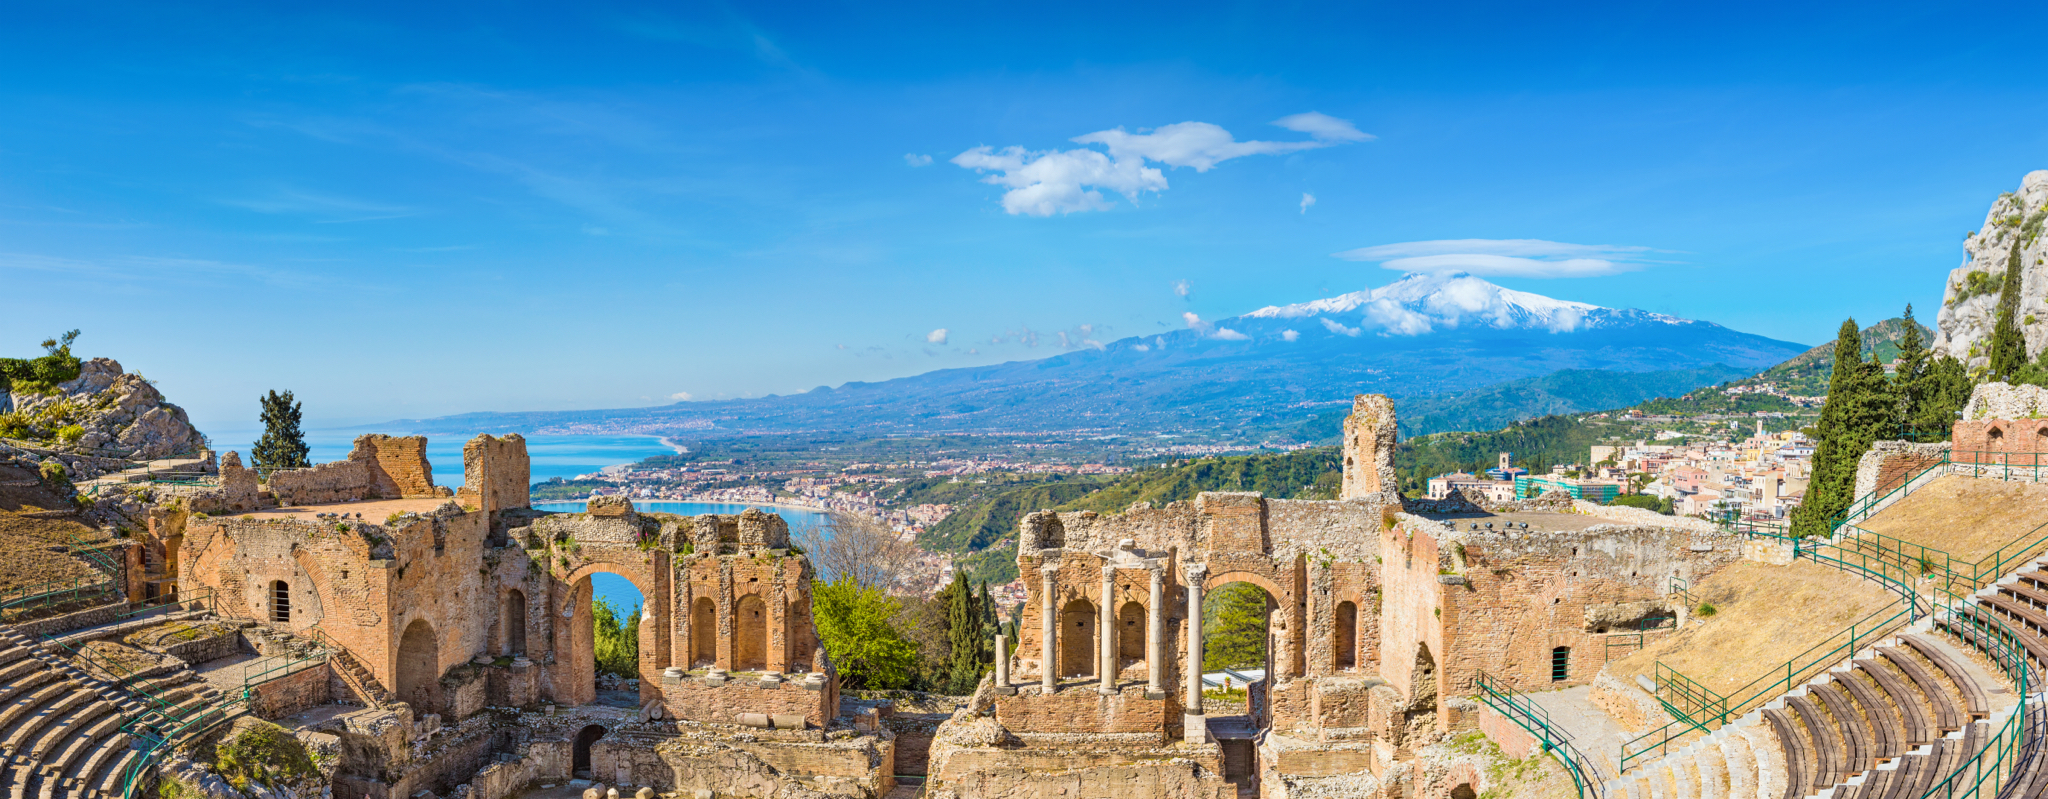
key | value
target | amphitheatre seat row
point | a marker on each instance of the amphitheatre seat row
(1887, 727)
(61, 730)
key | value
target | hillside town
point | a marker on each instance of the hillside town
(1759, 478)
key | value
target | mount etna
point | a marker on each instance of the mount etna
(1276, 371)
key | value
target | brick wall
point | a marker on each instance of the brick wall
(294, 692)
(398, 465)
(1080, 709)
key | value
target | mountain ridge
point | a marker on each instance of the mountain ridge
(1247, 375)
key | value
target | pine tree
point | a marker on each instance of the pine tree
(1943, 393)
(1234, 628)
(283, 445)
(2008, 344)
(1845, 430)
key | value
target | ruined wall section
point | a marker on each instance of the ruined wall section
(1508, 599)
(398, 467)
(496, 474)
(1370, 433)
(1887, 465)
(340, 481)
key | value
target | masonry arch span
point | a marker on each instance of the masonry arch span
(750, 633)
(625, 647)
(1077, 639)
(579, 758)
(419, 667)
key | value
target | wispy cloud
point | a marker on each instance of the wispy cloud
(1042, 183)
(1182, 289)
(917, 159)
(680, 396)
(1307, 200)
(334, 208)
(1535, 258)
(936, 337)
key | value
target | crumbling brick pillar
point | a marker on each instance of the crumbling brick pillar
(1155, 637)
(1048, 666)
(1194, 729)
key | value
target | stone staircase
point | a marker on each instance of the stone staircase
(65, 733)
(1888, 725)
(358, 677)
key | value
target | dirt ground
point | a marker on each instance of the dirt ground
(1966, 517)
(33, 549)
(1763, 616)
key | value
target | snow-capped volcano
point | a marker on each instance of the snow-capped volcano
(1421, 303)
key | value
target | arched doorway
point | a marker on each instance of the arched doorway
(1077, 639)
(1344, 645)
(704, 633)
(1130, 632)
(1464, 791)
(515, 622)
(613, 636)
(280, 602)
(750, 634)
(580, 755)
(419, 667)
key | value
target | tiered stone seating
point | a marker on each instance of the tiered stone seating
(61, 730)
(1886, 727)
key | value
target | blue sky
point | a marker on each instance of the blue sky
(410, 210)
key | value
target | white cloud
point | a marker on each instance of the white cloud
(1181, 287)
(1042, 183)
(1228, 334)
(917, 159)
(1289, 335)
(1533, 258)
(680, 396)
(936, 337)
(1307, 200)
(1396, 320)
(1339, 328)
(1323, 127)
(1194, 322)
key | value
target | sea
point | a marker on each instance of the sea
(552, 456)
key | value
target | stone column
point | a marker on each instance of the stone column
(1105, 620)
(1049, 625)
(1194, 730)
(1155, 637)
(1002, 664)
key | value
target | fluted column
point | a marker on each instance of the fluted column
(1195, 729)
(1155, 637)
(1049, 625)
(1105, 620)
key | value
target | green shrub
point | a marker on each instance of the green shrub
(1705, 610)
(264, 754)
(70, 433)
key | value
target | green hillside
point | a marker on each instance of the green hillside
(1806, 374)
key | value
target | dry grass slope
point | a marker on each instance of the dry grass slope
(33, 548)
(1764, 616)
(1964, 516)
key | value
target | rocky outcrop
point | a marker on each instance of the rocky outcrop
(1969, 305)
(107, 412)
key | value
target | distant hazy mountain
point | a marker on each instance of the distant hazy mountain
(1273, 370)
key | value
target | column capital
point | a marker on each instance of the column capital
(1196, 570)
(1049, 570)
(1108, 572)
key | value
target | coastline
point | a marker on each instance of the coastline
(751, 504)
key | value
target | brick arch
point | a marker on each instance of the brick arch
(1216, 581)
(571, 616)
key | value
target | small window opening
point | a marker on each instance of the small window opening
(1560, 664)
(280, 602)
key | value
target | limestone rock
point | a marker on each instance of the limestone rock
(2005, 401)
(122, 414)
(1963, 328)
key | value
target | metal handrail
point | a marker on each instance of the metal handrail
(1532, 718)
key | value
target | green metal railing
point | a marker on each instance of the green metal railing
(1533, 718)
(17, 602)
(1696, 707)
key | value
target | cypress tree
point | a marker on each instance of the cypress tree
(1910, 380)
(283, 445)
(989, 626)
(1843, 433)
(2008, 345)
(965, 633)
(1944, 392)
